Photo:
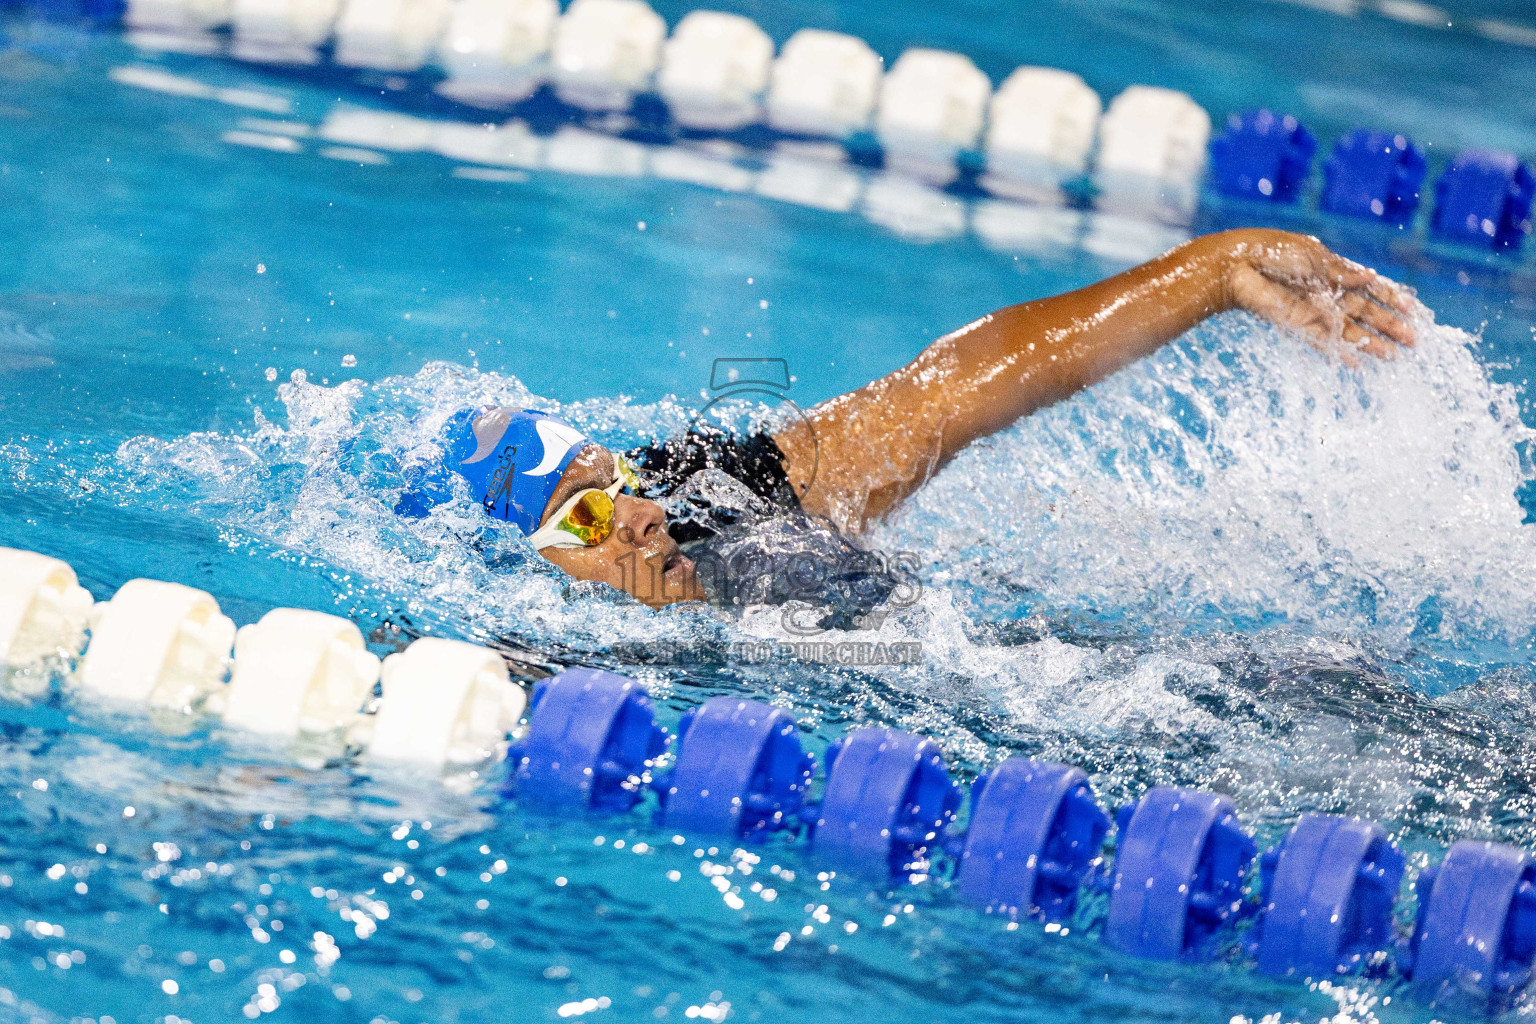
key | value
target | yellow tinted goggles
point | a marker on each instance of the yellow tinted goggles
(586, 519)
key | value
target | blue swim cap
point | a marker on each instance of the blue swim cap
(512, 458)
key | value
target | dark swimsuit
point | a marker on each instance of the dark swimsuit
(730, 505)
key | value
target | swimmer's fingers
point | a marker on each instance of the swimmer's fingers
(1361, 340)
(1388, 323)
(1381, 290)
(1315, 316)
(1337, 305)
(1330, 327)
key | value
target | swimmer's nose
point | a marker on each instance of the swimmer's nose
(638, 520)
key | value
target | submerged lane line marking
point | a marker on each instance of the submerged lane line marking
(353, 155)
(266, 126)
(1414, 13)
(258, 140)
(490, 174)
(1505, 32)
(142, 76)
(1348, 8)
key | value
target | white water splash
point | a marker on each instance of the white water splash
(1045, 686)
(1239, 478)
(1235, 483)
(325, 484)
(1356, 1005)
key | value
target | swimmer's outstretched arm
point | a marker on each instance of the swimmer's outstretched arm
(873, 447)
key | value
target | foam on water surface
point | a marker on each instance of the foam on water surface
(1238, 479)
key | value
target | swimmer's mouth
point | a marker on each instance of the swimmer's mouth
(677, 579)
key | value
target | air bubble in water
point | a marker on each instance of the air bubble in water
(298, 377)
(349, 360)
(271, 373)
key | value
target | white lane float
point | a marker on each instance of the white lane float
(282, 31)
(496, 52)
(43, 609)
(445, 702)
(932, 105)
(1152, 147)
(159, 644)
(824, 83)
(605, 52)
(298, 671)
(389, 35)
(167, 646)
(714, 71)
(1040, 130)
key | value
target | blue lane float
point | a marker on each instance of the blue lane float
(1034, 834)
(887, 802)
(1374, 175)
(1178, 876)
(92, 13)
(1035, 837)
(1262, 155)
(1328, 891)
(1476, 929)
(739, 770)
(592, 740)
(1484, 199)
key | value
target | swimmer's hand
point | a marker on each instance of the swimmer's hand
(1335, 304)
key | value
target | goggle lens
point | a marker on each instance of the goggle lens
(590, 519)
(626, 472)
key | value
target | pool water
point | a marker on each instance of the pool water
(1235, 565)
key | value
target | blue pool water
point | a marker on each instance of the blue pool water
(1234, 565)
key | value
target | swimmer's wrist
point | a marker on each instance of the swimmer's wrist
(1211, 260)
(1226, 252)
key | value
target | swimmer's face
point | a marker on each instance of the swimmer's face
(639, 557)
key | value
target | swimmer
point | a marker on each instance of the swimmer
(781, 509)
